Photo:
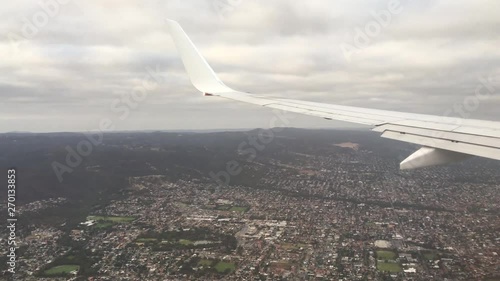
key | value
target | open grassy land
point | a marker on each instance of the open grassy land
(185, 242)
(61, 269)
(223, 207)
(386, 255)
(103, 224)
(205, 262)
(221, 267)
(189, 239)
(388, 266)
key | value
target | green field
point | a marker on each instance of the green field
(390, 267)
(205, 262)
(103, 224)
(61, 269)
(221, 267)
(186, 242)
(386, 255)
(238, 209)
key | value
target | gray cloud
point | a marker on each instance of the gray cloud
(66, 76)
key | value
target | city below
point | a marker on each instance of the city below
(299, 205)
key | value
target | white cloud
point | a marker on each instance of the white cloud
(66, 76)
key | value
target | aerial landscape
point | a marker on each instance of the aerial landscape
(311, 205)
(332, 140)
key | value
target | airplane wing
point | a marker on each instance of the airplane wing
(443, 139)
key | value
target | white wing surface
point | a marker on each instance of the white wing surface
(443, 139)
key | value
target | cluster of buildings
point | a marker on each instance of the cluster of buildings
(311, 217)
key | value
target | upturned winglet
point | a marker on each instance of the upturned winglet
(200, 73)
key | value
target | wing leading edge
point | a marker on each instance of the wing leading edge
(443, 139)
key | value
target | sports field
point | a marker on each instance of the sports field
(61, 269)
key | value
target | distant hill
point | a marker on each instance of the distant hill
(172, 154)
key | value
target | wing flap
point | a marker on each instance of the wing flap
(461, 147)
(451, 136)
(480, 131)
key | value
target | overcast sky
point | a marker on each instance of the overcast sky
(65, 67)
